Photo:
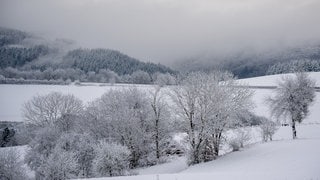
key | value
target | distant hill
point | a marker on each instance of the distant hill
(26, 56)
(13, 53)
(96, 59)
(251, 64)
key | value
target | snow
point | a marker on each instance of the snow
(175, 165)
(272, 80)
(282, 158)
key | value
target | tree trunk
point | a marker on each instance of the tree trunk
(294, 131)
(216, 144)
(157, 139)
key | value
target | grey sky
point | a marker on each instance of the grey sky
(166, 30)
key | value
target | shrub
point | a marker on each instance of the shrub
(111, 160)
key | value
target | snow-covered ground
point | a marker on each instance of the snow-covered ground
(281, 159)
(272, 80)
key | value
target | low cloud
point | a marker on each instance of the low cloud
(167, 30)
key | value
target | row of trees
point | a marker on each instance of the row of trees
(123, 129)
(302, 65)
(103, 76)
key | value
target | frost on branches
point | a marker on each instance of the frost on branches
(292, 100)
(209, 104)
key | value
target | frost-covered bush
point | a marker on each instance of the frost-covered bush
(239, 138)
(268, 128)
(60, 165)
(82, 147)
(41, 147)
(11, 165)
(235, 144)
(112, 159)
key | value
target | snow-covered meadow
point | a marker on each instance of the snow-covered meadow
(281, 159)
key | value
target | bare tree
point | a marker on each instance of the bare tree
(292, 100)
(161, 115)
(209, 104)
(45, 110)
(185, 97)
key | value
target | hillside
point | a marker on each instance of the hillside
(96, 59)
(28, 57)
(248, 63)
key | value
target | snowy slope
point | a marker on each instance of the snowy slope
(281, 159)
(272, 80)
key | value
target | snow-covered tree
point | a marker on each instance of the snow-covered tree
(11, 165)
(160, 120)
(163, 79)
(124, 117)
(185, 97)
(210, 104)
(41, 147)
(293, 97)
(268, 128)
(112, 159)
(82, 148)
(60, 165)
(44, 110)
(140, 77)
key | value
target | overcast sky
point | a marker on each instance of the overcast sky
(166, 30)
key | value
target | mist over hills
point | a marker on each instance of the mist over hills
(20, 49)
(25, 52)
(250, 63)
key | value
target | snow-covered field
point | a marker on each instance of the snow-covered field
(281, 159)
(12, 97)
(272, 80)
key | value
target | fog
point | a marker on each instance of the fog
(168, 30)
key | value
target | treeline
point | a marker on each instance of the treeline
(19, 56)
(11, 36)
(96, 59)
(69, 75)
(23, 61)
(303, 65)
